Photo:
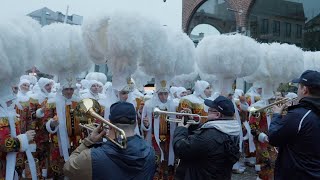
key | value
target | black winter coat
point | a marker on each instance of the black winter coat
(297, 135)
(205, 154)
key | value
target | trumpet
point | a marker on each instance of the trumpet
(88, 108)
(157, 112)
(257, 111)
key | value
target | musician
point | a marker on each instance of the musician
(159, 132)
(297, 133)
(42, 109)
(210, 151)
(107, 160)
(65, 134)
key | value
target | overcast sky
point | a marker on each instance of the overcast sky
(168, 13)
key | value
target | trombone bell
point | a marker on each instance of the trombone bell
(88, 108)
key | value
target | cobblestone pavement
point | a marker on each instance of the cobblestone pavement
(249, 174)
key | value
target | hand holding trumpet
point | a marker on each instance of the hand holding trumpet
(185, 118)
(97, 134)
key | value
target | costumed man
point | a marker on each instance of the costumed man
(84, 87)
(242, 107)
(173, 92)
(94, 93)
(106, 87)
(101, 79)
(43, 109)
(136, 98)
(180, 93)
(22, 109)
(265, 153)
(195, 101)
(254, 93)
(126, 94)
(32, 79)
(159, 132)
(65, 133)
(12, 141)
(139, 110)
(22, 104)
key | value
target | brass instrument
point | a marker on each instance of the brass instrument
(157, 112)
(92, 126)
(89, 108)
(256, 111)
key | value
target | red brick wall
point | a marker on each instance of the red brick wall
(190, 6)
(244, 5)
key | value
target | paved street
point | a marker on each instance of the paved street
(247, 175)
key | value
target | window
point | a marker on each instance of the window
(265, 26)
(288, 30)
(276, 28)
(299, 31)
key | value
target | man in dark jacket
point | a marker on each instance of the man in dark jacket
(109, 161)
(211, 150)
(297, 134)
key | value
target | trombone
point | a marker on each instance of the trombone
(88, 108)
(257, 111)
(157, 112)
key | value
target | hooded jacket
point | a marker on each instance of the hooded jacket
(297, 136)
(108, 161)
(209, 152)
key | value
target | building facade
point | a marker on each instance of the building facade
(46, 16)
(266, 21)
(312, 34)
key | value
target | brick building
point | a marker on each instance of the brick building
(266, 21)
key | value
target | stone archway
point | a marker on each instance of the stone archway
(241, 10)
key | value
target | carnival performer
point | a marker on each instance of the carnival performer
(65, 133)
(42, 109)
(265, 153)
(195, 101)
(94, 93)
(180, 93)
(254, 93)
(22, 109)
(11, 142)
(159, 132)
